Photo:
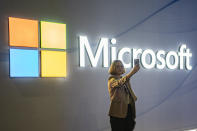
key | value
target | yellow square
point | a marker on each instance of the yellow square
(53, 35)
(53, 63)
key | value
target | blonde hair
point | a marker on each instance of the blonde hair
(112, 68)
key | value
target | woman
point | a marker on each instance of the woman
(122, 108)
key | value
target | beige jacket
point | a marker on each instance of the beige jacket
(120, 98)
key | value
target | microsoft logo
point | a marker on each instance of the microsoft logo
(37, 49)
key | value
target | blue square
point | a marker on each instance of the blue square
(24, 63)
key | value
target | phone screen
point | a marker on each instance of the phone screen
(136, 61)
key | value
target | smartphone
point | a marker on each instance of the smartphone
(136, 61)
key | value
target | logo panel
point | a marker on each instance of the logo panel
(31, 58)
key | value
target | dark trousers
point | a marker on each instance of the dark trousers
(123, 124)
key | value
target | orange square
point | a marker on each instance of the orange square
(23, 32)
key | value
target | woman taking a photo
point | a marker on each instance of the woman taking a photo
(122, 108)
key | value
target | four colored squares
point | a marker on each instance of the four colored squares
(31, 57)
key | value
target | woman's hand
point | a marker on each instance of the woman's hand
(136, 68)
(133, 71)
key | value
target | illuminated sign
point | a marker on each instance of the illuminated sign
(159, 60)
(32, 55)
(27, 57)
